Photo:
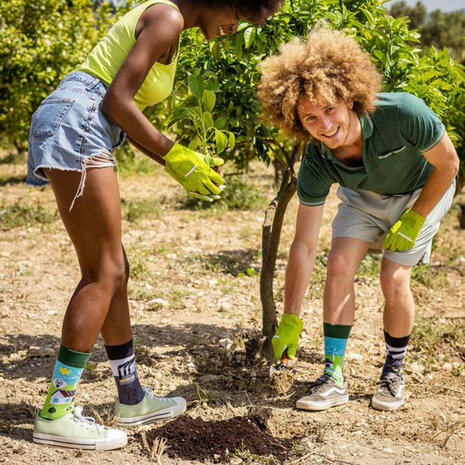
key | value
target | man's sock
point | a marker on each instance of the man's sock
(396, 347)
(68, 370)
(335, 345)
(123, 366)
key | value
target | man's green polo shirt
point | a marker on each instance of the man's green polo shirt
(394, 137)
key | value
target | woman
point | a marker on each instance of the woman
(71, 140)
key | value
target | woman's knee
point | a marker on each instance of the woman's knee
(110, 274)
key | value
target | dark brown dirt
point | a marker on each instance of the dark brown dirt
(196, 439)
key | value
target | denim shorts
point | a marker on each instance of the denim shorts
(368, 216)
(69, 131)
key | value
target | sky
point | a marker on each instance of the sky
(444, 5)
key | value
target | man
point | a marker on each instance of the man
(395, 166)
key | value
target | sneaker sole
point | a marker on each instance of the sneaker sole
(321, 405)
(73, 443)
(386, 406)
(164, 414)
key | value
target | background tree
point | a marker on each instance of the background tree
(438, 29)
(417, 13)
(40, 42)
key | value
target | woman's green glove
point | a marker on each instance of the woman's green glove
(190, 170)
(404, 231)
(287, 336)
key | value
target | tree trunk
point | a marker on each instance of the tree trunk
(271, 234)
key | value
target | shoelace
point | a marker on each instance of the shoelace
(149, 392)
(389, 384)
(88, 421)
(319, 382)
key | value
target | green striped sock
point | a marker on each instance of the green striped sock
(335, 345)
(66, 375)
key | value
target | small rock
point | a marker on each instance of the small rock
(416, 368)
(225, 306)
(191, 368)
(35, 351)
(236, 461)
(171, 256)
(226, 343)
(388, 450)
(19, 450)
(158, 303)
(447, 366)
(354, 356)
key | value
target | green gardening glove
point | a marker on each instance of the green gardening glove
(404, 231)
(287, 336)
(189, 169)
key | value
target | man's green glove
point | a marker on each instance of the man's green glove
(404, 231)
(189, 169)
(287, 336)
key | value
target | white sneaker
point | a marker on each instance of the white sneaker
(75, 431)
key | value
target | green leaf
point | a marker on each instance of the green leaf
(460, 72)
(196, 86)
(215, 50)
(232, 141)
(194, 144)
(221, 141)
(249, 36)
(209, 100)
(207, 119)
(209, 159)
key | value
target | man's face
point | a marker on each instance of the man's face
(330, 124)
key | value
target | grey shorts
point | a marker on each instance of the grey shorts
(368, 216)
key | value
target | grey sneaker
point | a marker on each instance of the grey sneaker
(390, 394)
(76, 431)
(323, 393)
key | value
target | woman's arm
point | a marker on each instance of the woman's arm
(158, 28)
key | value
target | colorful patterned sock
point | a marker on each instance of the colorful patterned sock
(66, 375)
(335, 345)
(396, 347)
(123, 366)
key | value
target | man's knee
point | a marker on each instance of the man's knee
(339, 267)
(394, 278)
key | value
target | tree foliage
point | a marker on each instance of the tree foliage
(40, 42)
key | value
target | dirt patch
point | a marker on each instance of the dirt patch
(282, 381)
(196, 439)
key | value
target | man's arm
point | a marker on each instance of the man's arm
(302, 257)
(299, 268)
(446, 164)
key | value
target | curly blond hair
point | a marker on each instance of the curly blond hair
(329, 67)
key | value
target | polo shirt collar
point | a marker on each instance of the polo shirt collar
(366, 125)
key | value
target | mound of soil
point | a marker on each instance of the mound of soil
(195, 439)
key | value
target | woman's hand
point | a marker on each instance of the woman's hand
(189, 169)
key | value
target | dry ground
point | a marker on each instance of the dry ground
(194, 302)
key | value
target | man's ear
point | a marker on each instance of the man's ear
(350, 104)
